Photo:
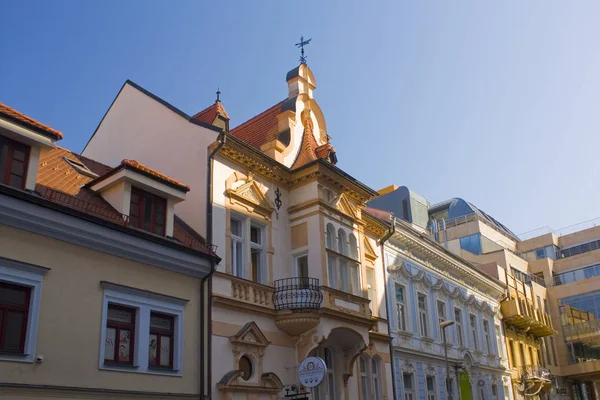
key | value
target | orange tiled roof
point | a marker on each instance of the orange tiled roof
(261, 129)
(19, 116)
(59, 182)
(209, 114)
(141, 167)
(307, 151)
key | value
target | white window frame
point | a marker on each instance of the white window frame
(262, 274)
(237, 270)
(460, 333)
(497, 331)
(423, 320)
(441, 318)
(343, 271)
(144, 302)
(486, 337)
(365, 384)
(431, 394)
(404, 326)
(23, 274)
(409, 394)
(376, 378)
(297, 257)
(473, 329)
(371, 288)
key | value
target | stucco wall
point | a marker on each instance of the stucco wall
(140, 128)
(70, 316)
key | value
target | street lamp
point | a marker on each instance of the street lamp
(443, 326)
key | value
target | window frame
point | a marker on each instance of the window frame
(24, 309)
(162, 333)
(260, 247)
(141, 193)
(11, 144)
(344, 273)
(365, 384)
(409, 394)
(441, 318)
(473, 329)
(145, 303)
(460, 334)
(117, 326)
(423, 320)
(237, 270)
(31, 276)
(486, 336)
(405, 326)
(430, 394)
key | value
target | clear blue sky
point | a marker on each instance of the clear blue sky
(494, 102)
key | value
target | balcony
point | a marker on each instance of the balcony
(298, 303)
(521, 314)
(535, 372)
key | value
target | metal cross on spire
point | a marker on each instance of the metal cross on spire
(301, 46)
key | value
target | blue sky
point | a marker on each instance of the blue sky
(494, 102)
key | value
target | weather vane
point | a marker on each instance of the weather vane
(301, 45)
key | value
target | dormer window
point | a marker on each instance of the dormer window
(14, 158)
(147, 211)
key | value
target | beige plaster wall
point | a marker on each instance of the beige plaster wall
(579, 237)
(537, 242)
(70, 316)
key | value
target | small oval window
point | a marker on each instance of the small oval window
(246, 367)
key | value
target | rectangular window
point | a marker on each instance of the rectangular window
(522, 355)
(459, 327)
(499, 341)
(161, 341)
(257, 254)
(344, 275)
(120, 334)
(547, 347)
(14, 312)
(332, 271)
(422, 303)
(494, 392)
(302, 267)
(441, 310)
(513, 355)
(400, 307)
(237, 247)
(409, 392)
(473, 322)
(147, 211)
(371, 290)
(430, 388)
(14, 158)
(486, 337)
(354, 281)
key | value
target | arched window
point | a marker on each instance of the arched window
(375, 363)
(353, 246)
(365, 386)
(330, 240)
(342, 242)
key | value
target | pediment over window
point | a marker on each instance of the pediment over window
(250, 335)
(442, 288)
(370, 253)
(245, 192)
(232, 382)
(346, 206)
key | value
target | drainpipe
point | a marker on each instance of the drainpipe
(206, 284)
(387, 301)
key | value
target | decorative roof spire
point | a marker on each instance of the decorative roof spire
(301, 46)
(218, 95)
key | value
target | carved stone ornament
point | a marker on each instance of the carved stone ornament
(408, 367)
(399, 272)
(245, 192)
(346, 206)
(430, 370)
(421, 282)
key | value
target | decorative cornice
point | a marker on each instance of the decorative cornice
(256, 165)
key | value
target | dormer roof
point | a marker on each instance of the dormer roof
(210, 113)
(29, 122)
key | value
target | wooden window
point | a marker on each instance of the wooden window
(14, 159)
(120, 334)
(147, 211)
(400, 307)
(343, 270)
(376, 379)
(441, 309)
(257, 253)
(486, 336)
(409, 392)
(473, 322)
(458, 325)
(364, 380)
(14, 312)
(236, 226)
(161, 341)
(430, 388)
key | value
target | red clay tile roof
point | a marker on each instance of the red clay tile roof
(12, 113)
(209, 114)
(307, 151)
(384, 216)
(141, 167)
(261, 129)
(59, 182)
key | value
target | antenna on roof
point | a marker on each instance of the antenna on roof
(218, 95)
(301, 46)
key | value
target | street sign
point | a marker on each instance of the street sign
(311, 371)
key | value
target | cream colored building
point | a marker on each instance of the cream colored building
(302, 271)
(101, 284)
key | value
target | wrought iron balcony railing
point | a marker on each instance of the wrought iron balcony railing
(535, 372)
(297, 294)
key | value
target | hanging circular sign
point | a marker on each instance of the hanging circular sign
(311, 371)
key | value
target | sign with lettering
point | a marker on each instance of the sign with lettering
(311, 371)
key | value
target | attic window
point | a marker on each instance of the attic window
(80, 167)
